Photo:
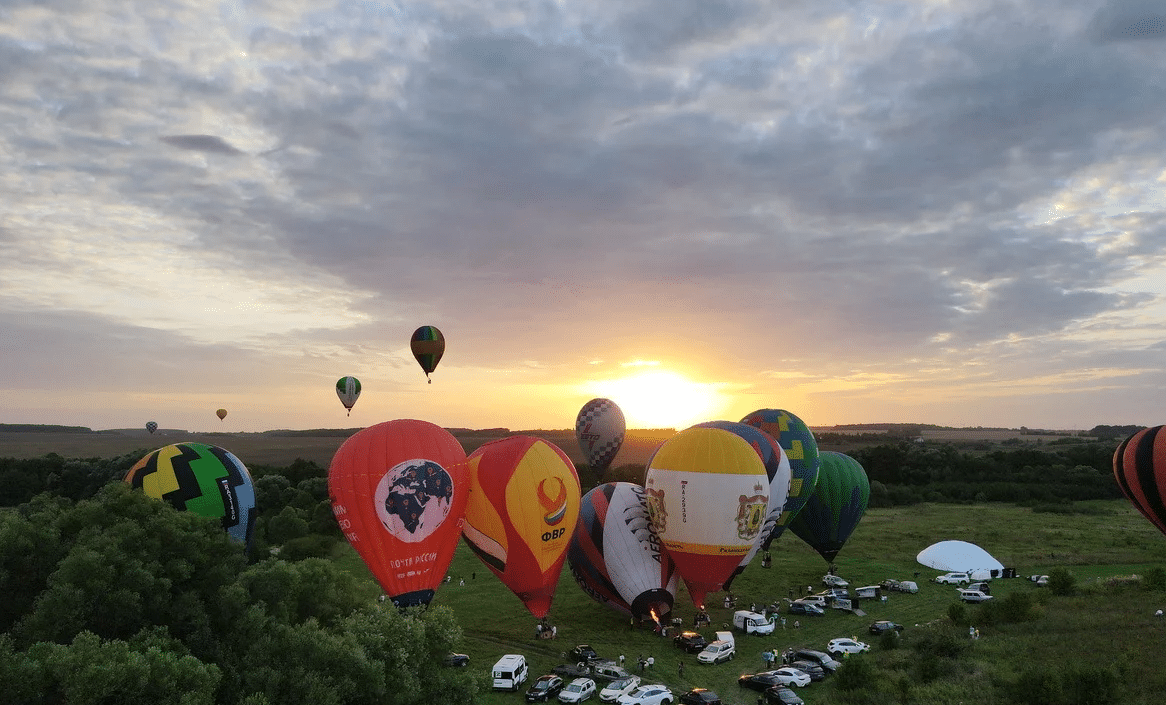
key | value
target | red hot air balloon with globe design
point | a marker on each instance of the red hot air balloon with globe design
(399, 491)
(1139, 466)
(524, 502)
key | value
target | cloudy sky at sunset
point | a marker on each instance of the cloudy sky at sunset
(939, 211)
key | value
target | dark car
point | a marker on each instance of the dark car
(459, 660)
(572, 670)
(691, 642)
(883, 626)
(582, 652)
(781, 695)
(543, 689)
(759, 681)
(796, 607)
(821, 658)
(700, 696)
(812, 669)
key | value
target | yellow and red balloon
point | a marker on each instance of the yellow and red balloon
(523, 506)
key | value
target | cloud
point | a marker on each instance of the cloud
(200, 143)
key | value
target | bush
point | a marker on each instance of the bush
(957, 612)
(1061, 582)
(856, 673)
(1155, 579)
(889, 640)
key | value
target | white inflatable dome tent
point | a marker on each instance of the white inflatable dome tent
(961, 557)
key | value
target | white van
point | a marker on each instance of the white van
(752, 622)
(510, 672)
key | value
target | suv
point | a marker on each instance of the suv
(823, 659)
(974, 596)
(544, 688)
(717, 652)
(953, 579)
(882, 626)
(691, 642)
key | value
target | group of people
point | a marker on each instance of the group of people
(542, 630)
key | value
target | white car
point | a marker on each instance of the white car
(834, 581)
(973, 596)
(788, 675)
(647, 695)
(618, 687)
(846, 646)
(953, 579)
(577, 691)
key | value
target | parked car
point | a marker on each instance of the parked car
(973, 596)
(981, 586)
(782, 695)
(899, 585)
(618, 687)
(759, 681)
(691, 642)
(811, 668)
(883, 626)
(718, 651)
(821, 658)
(608, 671)
(700, 696)
(577, 691)
(800, 607)
(647, 695)
(543, 689)
(846, 645)
(830, 594)
(1041, 580)
(571, 670)
(834, 581)
(458, 660)
(582, 652)
(788, 675)
(953, 579)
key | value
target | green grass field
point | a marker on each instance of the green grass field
(1114, 627)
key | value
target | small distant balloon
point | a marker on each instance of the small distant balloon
(348, 389)
(600, 429)
(151, 426)
(428, 345)
(221, 413)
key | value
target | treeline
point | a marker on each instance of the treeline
(118, 598)
(908, 473)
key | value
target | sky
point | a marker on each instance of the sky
(929, 211)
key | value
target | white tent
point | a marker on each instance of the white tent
(960, 556)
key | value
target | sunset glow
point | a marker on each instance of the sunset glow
(661, 399)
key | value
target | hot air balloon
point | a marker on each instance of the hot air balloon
(151, 426)
(616, 557)
(524, 502)
(777, 468)
(599, 427)
(399, 492)
(221, 413)
(836, 506)
(203, 479)
(797, 441)
(428, 345)
(1139, 466)
(707, 495)
(348, 389)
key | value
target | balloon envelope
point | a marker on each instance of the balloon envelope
(523, 506)
(203, 479)
(221, 413)
(777, 468)
(151, 426)
(1139, 466)
(399, 492)
(600, 428)
(348, 389)
(616, 557)
(427, 345)
(961, 556)
(836, 506)
(707, 494)
(798, 444)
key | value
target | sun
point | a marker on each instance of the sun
(661, 399)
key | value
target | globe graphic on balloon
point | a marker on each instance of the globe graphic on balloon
(413, 499)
